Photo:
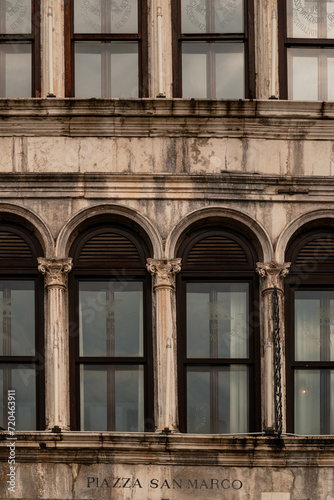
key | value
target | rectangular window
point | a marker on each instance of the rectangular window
(106, 48)
(213, 49)
(307, 49)
(20, 49)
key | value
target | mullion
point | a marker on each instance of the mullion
(106, 37)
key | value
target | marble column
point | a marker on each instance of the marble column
(272, 275)
(55, 272)
(163, 273)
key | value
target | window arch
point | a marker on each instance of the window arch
(21, 327)
(310, 320)
(218, 341)
(111, 342)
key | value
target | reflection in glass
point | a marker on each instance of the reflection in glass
(16, 18)
(111, 318)
(215, 16)
(217, 399)
(15, 74)
(214, 70)
(118, 404)
(217, 320)
(23, 380)
(17, 318)
(307, 402)
(310, 73)
(106, 69)
(309, 19)
(314, 325)
(105, 16)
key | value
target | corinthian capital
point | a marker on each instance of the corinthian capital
(272, 274)
(55, 271)
(163, 271)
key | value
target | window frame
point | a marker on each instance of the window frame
(141, 37)
(103, 273)
(247, 38)
(207, 275)
(35, 40)
(14, 272)
(285, 42)
(296, 280)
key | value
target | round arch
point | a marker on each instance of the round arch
(27, 218)
(322, 215)
(236, 219)
(69, 232)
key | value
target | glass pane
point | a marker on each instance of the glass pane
(213, 16)
(106, 16)
(307, 402)
(217, 399)
(307, 19)
(111, 318)
(17, 318)
(23, 380)
(15, 16)
(217, 320)
(106, 69)
(112, 398)
(15, 74)
(214, 70)
(314, 325)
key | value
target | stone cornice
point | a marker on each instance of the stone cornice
(167, 118)
(176, 449)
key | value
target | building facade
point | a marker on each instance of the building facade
(166, 215)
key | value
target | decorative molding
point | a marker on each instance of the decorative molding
(55, 271)
(163, 272)
(272, 274)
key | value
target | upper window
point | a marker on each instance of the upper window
(217, 339)
(19, 49)
(213, 49)
(106, 48)
(307, 49)
(310, 320)
(21, 329)
(111, 348)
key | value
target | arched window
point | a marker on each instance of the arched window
(218, 340)
(111, 345)
(310, 329)
(21, 329)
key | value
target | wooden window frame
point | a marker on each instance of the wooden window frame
(12, 270)
(34, 38)
(103, 273)
(247, 38)
(299, 280)
(141, 38)
(285, 42)
(209, 275)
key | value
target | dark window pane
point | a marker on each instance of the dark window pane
(217, 320)
(106, 69)
(15, 70)
(213, 70)
(118, 404)
(217, 399)
(23, 380)
(17, 318)
(111, 319)
(307, 19)
(105, 16)
(213, 16)
(15, 16)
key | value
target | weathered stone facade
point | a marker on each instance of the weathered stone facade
(262, 167)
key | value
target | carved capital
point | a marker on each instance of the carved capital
(55, 271)
(272, 274)
(163, 272)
